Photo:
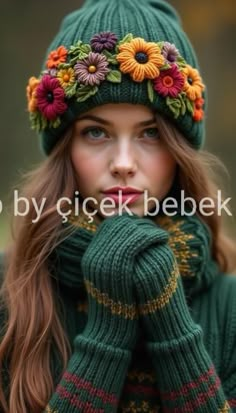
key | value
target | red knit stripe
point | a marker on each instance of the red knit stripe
(232, 402)
(74, 400)
(199, 400)
(184, 390)
(87, 385)
(140, 388)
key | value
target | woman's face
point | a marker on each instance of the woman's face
(119, 145)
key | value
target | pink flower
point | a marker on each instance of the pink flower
(50, 97)
(170, 52)
(92, 70)
(170, 82)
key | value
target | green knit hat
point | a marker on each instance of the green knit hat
(126, 51)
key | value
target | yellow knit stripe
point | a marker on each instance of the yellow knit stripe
(134, 407)
(225, 409)
(128, 311)
(49, 410)
(140, 376)
(82, 222)
(179, 243)
(157, 303)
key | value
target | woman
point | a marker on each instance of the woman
(105, 311)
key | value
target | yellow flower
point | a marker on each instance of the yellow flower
(31, 94)
(193, 83)
(66, 77)
(141, 59)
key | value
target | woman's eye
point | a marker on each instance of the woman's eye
(152, 133)
(94, 133)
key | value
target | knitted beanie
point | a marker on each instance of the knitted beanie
(125, 51)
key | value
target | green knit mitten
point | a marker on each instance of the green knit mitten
(159, 286)
(186, 377)
(107, 266)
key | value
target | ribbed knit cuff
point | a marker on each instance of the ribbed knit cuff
(93, 380)
(186, 375)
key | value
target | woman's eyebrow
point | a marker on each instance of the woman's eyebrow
(106, 122)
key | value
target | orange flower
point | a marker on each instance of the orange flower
(198, 113)
(193, 83)
(141, 59)
(31, 93)
(56, 56)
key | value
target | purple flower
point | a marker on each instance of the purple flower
(103, 40)
(50, 97)
(170, 82)
(170, 52)
(92, 70)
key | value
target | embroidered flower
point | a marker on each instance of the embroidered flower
(170, 82)
(75, 74)
(103, 40)
(56, 56)
(140, 58)
(31, 93)
(92, 70)
(198, 113)
(170, 52)
(193, 83)
(66, 77)
(51, 97)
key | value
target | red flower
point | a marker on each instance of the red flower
(170, 82)
(198, 113)
(50, 97)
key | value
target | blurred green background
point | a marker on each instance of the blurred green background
(27, 27)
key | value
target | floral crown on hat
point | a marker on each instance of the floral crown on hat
(75, 73)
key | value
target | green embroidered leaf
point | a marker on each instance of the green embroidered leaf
(86, 48)
(55, 123)
(111, 58)
(38, 122)
(180, 61)
(175, 105)
(82, 55)
(71, 90)
(160, 44)
(114, 76)
(150, 90)
(74, 59)
(44, 122)
(79, 51)
(189, 105)
(85, 91)
(165, 67)
(126, 39)
(64, 66)
(183, 108)
(72, 49)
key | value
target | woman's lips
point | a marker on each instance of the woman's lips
(123, 197)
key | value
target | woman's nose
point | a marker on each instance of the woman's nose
(123, 160)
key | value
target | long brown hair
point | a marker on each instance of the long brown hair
(33, 326)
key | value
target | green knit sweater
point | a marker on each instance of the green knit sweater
(162, 336)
